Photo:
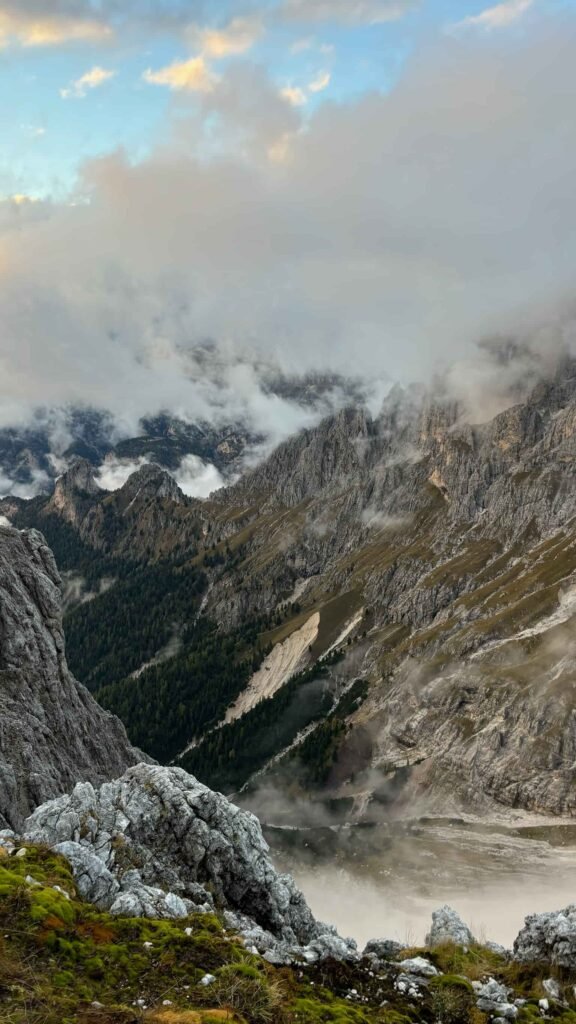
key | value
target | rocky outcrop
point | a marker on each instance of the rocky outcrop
(52, 732)
(148, 483)
(158, 843)
(448, 926)
(74, 493)
(548, 938)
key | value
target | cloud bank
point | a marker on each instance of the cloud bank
(381, 236)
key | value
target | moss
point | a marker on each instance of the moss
(58, 956)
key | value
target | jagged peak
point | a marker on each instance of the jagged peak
(78, 479)
(149, 482)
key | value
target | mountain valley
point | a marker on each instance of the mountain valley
(430, 565)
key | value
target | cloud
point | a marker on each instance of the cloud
(402, 228)
(499, 16)
(196, 478)
(92, 79)
(28, 25)
(298, 97)
(294, 95)
(57, 22)
(349, 12)
(321, 82)
(192, 75)
(239, 36)
(114, 472)
(38, 484)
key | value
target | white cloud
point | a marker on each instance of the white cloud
(39, 483)
(37, 28)
(499, 16)
(236, 38)
(321, 82)
(349, 12)
(402, 228)
(196, 478)
(192, 75)
(294, 95)
(92, 79)
(114, 472)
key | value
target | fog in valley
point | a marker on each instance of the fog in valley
(389, 882)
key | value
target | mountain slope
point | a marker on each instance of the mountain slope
(438, 557)
(52, 732)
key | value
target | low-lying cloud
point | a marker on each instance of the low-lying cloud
(196, 478)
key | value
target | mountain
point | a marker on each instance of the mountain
(33, 456)
(52, 732)
(151, 897)
(379, 615)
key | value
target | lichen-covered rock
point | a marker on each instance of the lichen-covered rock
(165, 839)
(382, 949)
(148, 901)
(52, 731)
(493, 998)
(93, 880)
(419, 966)
(549, 937)
(448, 926)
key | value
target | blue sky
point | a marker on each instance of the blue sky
(45, 136)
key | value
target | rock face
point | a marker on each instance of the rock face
(448, 926)
(52, 732)
(549, 937)
(158, 843)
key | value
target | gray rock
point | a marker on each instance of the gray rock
(494, 998)
(382, 949)
(419, 966)
(495, 947)
(163, 837)
(448, 926)
(549, 937)
(52, 731)
(147, 901)
(95, 883)
(553, 990)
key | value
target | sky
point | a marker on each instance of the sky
(370, 186)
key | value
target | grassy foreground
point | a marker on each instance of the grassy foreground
(64, 962)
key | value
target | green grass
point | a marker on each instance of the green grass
(59, 955)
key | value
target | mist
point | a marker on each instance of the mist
(494, 911)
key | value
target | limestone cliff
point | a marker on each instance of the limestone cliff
(52, 732)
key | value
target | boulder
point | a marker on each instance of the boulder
(448, 926)
(549, 937)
